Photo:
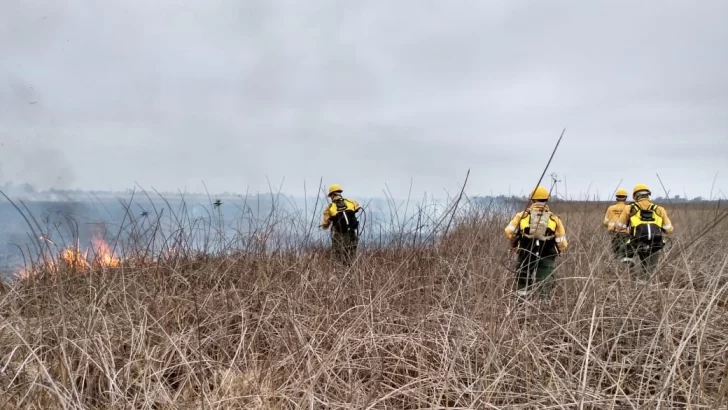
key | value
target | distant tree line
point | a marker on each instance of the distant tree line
(484, 200)
(25, 189)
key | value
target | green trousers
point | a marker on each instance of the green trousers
(645, 267)
(642, 260)
(619, 242)
(344, 246)
(535, 273)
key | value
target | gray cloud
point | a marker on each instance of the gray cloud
(235, 93)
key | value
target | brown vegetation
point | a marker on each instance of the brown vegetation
(409, 326)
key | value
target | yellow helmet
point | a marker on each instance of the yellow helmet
(621, 192)
(540, 193)
(335, 188)
(640, 187)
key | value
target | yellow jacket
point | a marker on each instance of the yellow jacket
(645, 203)
(612, 217)
(330, 211)
(514, 226)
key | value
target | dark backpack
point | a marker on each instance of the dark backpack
(646, 227)
(345, 219)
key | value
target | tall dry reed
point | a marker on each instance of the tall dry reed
(414, 324)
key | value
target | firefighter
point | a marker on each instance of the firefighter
(619, 237)
(645, 223)
(538, 237)
(340, 216)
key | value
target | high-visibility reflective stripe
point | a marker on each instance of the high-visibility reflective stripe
(511, 228)
(561, 239)
(668, 226)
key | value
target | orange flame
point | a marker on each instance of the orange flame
(73, 258)
(104, 256)
(24, 273)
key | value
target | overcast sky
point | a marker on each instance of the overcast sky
(235, 93)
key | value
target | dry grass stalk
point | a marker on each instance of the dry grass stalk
(417, 325)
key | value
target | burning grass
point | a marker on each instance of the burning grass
(412, 325)
(73, 259)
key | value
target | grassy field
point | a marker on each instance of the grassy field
(408, 326)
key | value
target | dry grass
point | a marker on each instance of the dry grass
(406, 327)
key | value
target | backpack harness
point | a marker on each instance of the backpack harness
(345, 218)
(646, 226)
(539, 225)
